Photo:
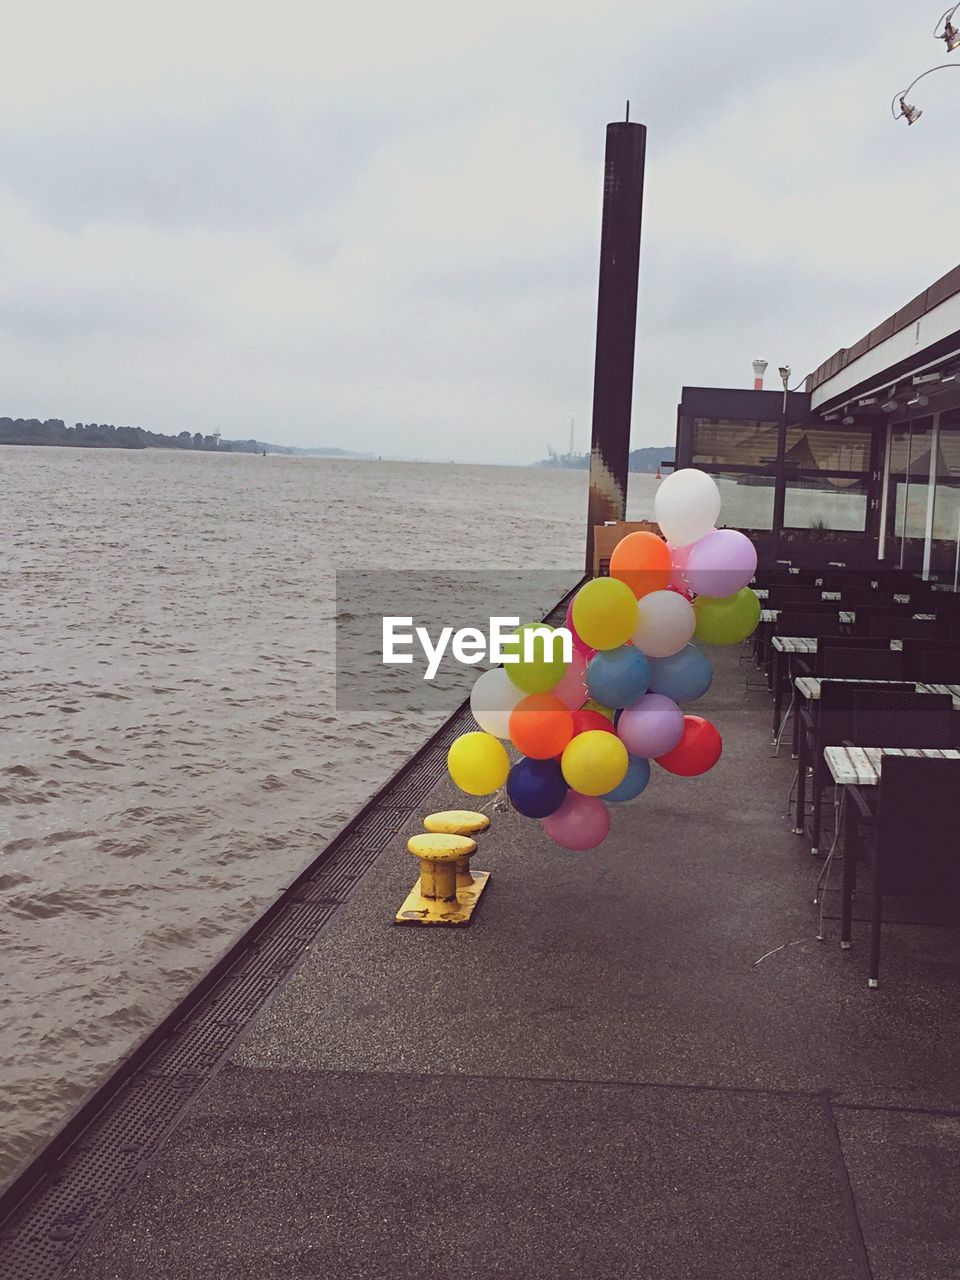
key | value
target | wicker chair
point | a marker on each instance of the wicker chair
(866, 715)
(816, 622)
(866, 663)
(904, 626)
(914, 647)
(787, 596)
(811, 664)
(939, 667)
(914, 852)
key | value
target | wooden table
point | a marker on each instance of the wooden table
(791, 647)
(860, 766)
(771, 615)
(809, 686)
(763, 593)
(847, 616)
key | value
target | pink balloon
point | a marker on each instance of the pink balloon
(721, 563)
(678, 578)
(651, 727)
(580, 645)
(581, 822)
(572, 689)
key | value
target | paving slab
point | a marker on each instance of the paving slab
(905, 1172)
(281, 1174)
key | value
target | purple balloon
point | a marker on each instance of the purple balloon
(651, 727)
(721, 563)
(581, 822)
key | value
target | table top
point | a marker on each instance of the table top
(847, 616)
(795, 644)
(771, 615)
(808, 644)
(809, 686)
(860, 766)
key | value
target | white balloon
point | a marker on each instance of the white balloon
(665, 625)
(686, 506)
(493, 697)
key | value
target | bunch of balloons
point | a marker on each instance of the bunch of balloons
(587, 729)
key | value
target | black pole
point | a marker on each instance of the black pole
(780, 480)
(616, 325)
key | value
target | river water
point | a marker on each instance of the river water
(171, 750)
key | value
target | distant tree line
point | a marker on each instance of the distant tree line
(102, 435)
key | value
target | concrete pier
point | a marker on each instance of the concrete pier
(600, 1078)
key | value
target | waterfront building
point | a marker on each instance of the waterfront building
(862, 465)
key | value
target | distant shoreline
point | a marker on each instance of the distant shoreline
(55, 433)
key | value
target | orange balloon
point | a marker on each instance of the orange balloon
(541, 726)
(642, 561)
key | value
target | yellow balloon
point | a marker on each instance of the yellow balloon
(591, 704)
(594, 762)
(605, 613)
(478, 763)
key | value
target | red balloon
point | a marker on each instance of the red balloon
(696, 752)
(586, 719)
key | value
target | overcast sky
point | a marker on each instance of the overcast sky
(377, 226)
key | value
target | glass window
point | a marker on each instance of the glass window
(908, 491)
(747, 501)
(946, 500)
(828, 449)
(726, 442)
(825, 502)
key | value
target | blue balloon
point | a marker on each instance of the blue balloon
(638, 775)
(617, 677)
(536, 788)
(683, 676)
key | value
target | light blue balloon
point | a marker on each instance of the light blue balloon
(637, 777)
(683, 676)
(617, 677)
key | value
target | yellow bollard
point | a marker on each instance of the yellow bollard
(433, 899)
(462, 822)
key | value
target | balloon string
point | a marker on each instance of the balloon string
(494, 803)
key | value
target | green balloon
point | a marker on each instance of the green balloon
(728, 620)
(547, 666)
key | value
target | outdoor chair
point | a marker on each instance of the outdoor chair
(810, 664)
(914, 851)
(898, 580)
(869, 598)
(914, 647)
(938, 666)
(871, 662)
(779, 668)
(809, 622)
(787, 595)
(903, 626)
(864, 715)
